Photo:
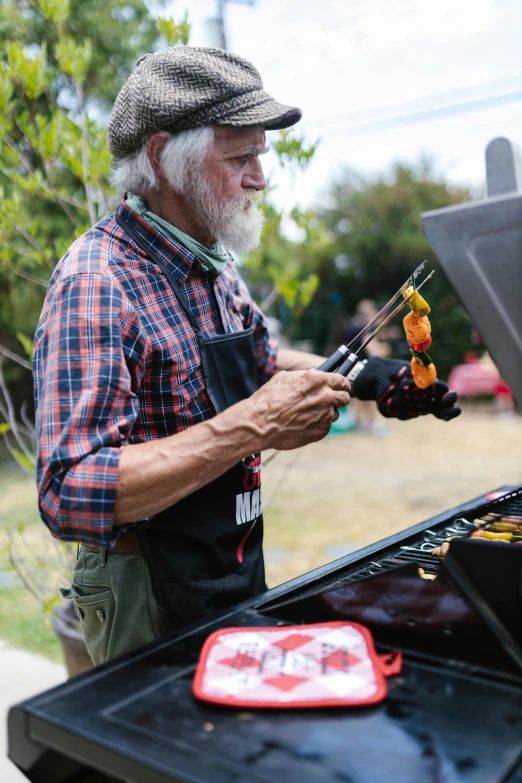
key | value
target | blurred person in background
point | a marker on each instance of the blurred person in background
(365, 413)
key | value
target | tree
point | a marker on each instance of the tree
(376, 241)
(64, 63)
(281, 270)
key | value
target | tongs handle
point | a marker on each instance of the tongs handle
(348, 364)
(335, 360)
(342, 361)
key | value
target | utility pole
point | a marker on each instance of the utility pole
(216, 24)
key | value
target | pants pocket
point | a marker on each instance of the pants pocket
(96, 607)
(116, 604)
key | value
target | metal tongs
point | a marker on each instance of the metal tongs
(343, 360)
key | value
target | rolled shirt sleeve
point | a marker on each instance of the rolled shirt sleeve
(89, 355)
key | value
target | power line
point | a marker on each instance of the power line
(427, 115)
(448, 95)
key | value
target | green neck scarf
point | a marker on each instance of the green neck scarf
(213, 259)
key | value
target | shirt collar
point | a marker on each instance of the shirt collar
(178, 257)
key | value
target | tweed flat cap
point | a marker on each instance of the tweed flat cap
(187, 87)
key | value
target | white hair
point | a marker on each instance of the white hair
(182, 153)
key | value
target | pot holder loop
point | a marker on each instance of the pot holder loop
(391, 663)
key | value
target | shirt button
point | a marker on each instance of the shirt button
(100, 615)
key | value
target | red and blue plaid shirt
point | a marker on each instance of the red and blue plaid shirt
(117, 362)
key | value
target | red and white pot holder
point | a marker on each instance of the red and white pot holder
(321, 665)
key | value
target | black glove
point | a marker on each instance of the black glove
(389, 383)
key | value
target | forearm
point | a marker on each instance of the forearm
(154, 475)
(290, 359)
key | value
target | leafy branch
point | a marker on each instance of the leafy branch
(61, 69)
(280, 261)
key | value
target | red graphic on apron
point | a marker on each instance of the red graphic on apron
(248, 504)
(242, 544)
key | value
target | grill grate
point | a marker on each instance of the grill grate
(420, 551)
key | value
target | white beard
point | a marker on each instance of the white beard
(235, 223)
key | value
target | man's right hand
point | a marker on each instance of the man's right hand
(291, 410)
(296, 408)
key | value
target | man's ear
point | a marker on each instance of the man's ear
(155, 144)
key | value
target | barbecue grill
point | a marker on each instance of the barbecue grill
(454, 715)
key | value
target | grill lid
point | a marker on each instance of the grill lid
(479, 246)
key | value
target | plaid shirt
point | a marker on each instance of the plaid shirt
(116, 362)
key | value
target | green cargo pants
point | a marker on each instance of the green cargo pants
(115, 602)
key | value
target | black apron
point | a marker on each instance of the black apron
(205, 552)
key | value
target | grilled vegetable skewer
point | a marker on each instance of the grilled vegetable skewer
(418, 334)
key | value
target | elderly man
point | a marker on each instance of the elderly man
(155, 377)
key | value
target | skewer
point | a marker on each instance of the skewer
(343, 360)
(352, 358)
(339, 356)
(411, 280)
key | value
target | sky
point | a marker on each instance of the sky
(367, 72)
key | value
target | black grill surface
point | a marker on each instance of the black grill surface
(445, 720)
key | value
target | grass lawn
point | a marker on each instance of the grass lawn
(350, 490)
(319, 502)
(23, 622)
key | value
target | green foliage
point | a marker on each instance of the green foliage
(27, 344)
(73, 59)
(377, 240)
(119, 31)
(283, 265)
(175, 33)
(364, 245)
(62, 65)
(55, 11)
(292, 153)
(25, 462)
(29, 73)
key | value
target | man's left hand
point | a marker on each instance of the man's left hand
(389, 383)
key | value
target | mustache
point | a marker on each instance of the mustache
(252, 196)
(232, 206)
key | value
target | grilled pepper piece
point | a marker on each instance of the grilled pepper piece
(417, 303)
(423, 375)
(498, 536)
(417, 328)
(422, 358)
(420, 347)
(506, 527)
